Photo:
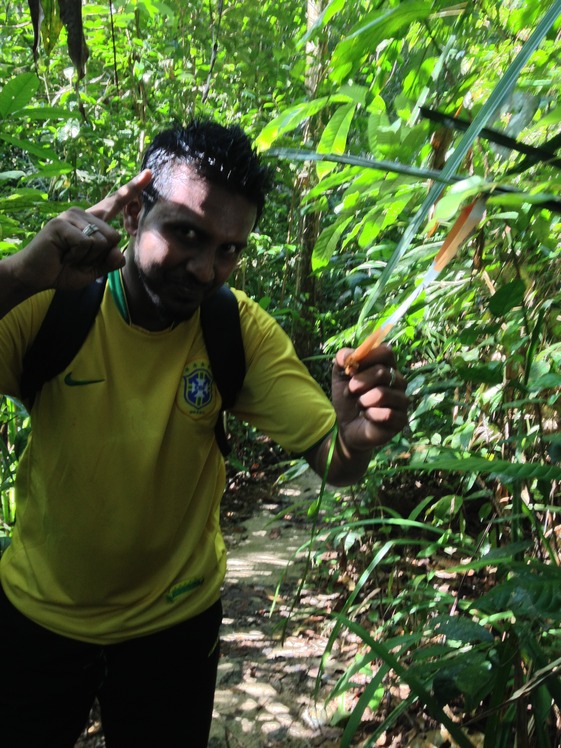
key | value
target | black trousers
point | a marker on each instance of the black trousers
(153, 691)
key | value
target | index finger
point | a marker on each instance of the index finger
(112, 205)
(381, 354)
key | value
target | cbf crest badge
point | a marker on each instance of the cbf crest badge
(196, 389)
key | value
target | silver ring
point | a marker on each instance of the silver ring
(90, 229)
(393, 377)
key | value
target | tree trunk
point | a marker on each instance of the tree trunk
(308, 224)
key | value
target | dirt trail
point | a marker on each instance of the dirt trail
(265, 693)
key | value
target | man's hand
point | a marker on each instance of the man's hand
(371, 407)
(76, 247)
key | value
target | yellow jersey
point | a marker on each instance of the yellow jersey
(118, 491)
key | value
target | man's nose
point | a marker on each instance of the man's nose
(202, 266)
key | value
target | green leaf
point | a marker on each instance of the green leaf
(449, 204)
(461, 629)
(22, 199)
(4, 543)
(17, 93)
(343, 176)
(473, 464)
(491, 373)
(354, 93)
(48, 171)
(549, 381)
(377, 118)
(518, 199)
(446, 508)
(41, 151)
(507, 297)
(505, 553)
(471, 675)
(327, 243)
(288, 120)
(334, 137)
(4, 175)
(373, 29)
(529, 596)
(51, 26)
(47, 112)
(371, 227)
(551, 118)
(329, 11)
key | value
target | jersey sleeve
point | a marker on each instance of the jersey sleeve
(279, 396)
(18, 330)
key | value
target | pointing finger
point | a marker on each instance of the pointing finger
(111, 206)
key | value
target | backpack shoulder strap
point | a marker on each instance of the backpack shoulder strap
(67, 322)
(222, 333)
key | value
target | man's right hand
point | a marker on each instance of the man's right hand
(63, 256)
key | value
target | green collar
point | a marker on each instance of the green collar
(115, 282)
(117, 288)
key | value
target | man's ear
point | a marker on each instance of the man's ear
(131, 216)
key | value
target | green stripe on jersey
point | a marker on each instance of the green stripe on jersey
(115, 281)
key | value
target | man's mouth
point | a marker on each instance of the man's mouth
(186, 293)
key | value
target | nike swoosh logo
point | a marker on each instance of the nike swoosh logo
(71, 382)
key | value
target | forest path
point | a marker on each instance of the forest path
(265, 691)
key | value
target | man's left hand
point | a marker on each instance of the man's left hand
(371, 405)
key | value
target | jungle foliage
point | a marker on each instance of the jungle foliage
(451, 543)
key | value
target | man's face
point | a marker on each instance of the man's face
(184, 248)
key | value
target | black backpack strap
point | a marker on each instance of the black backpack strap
(67, 323)
(222, 333)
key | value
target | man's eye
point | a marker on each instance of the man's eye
(185, 233)
(231, 250)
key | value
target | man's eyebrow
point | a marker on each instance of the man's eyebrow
(180, 219)
(170, 209)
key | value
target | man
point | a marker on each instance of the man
(111, 586)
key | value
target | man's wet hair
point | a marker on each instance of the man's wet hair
(221, 154)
